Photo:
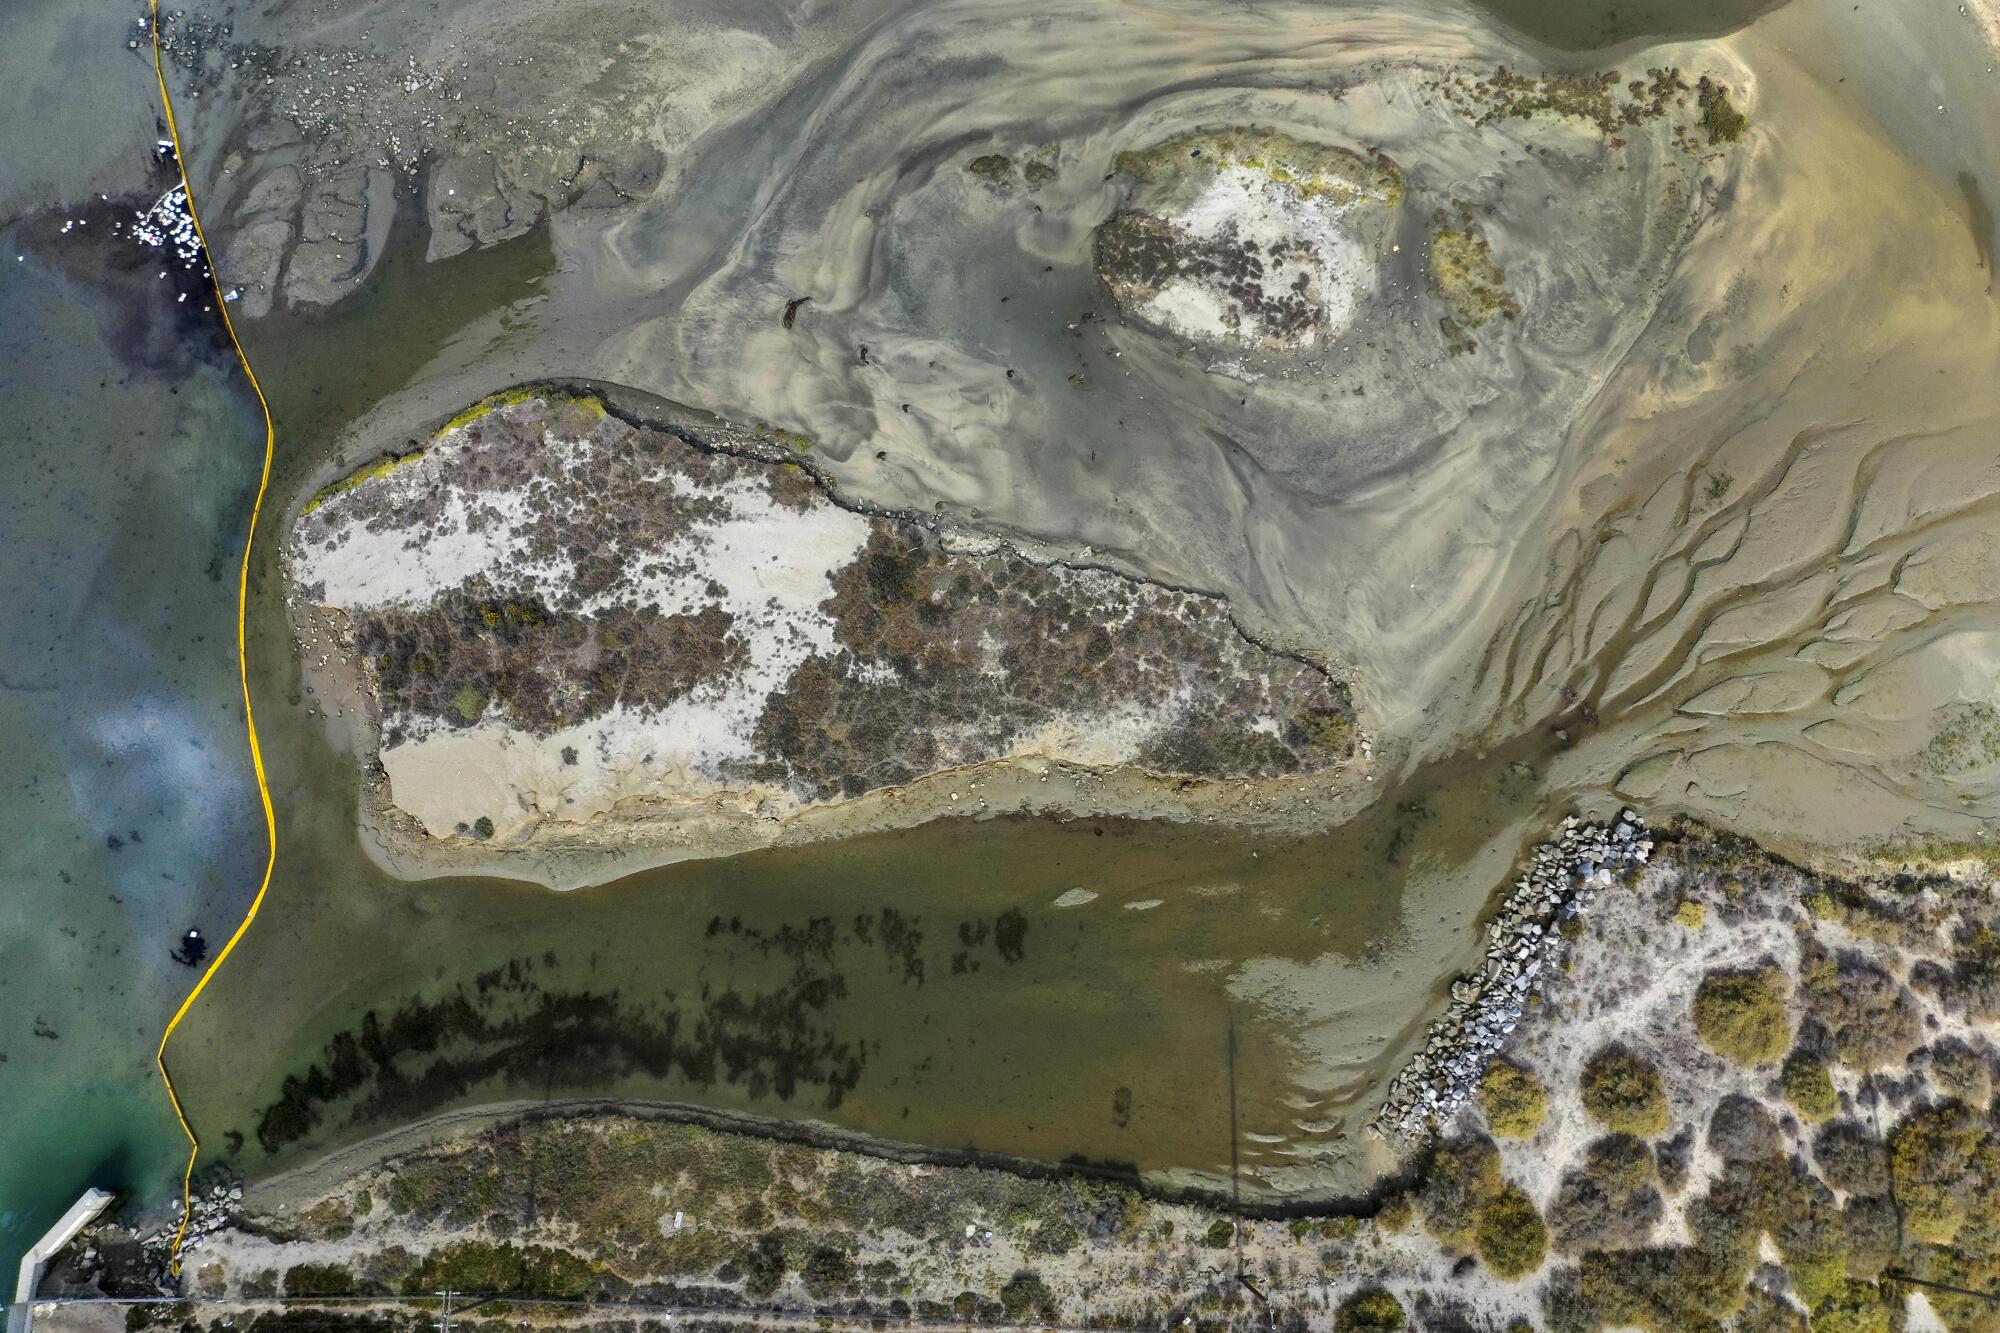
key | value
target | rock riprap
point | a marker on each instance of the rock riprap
(1522, 942)
(553, 610)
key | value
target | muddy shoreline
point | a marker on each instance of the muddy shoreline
(300, 1185)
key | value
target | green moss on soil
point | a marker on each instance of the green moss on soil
(1464, 274)
(384, 466)
(1315, 170)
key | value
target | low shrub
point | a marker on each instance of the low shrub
(1851, 1158)
(479, 1267)
(1934, 1155)
(1370, 1310)
(1611, 1201)
(1624, 1093)
(1512, 1237)
(1514, 1100)
(1667, 1289)
(1396, 1213)
(1809, 1087)
(1741, 1015)
(827, 1272)
(1026, 1296)
(319, 1280)
(1959, 1071)
(1464, 1177)
(1874, 1020)
(1857, 1307)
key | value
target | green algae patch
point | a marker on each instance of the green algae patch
(489, 404)
(1315, 170)
(797, 441)
(588, 404)
(995, 167)
(1934, 854)
(523, 393)
(1464, 273)
(381, 467)
(1599, 100)
(1720, 119)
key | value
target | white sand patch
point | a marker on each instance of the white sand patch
(774, 567)
(452, 776)
(1300, 244)
(1101, 739)
(408, 566)
(1919, 1317)
(1192, 310)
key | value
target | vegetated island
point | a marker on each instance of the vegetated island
(1750, 1097)
(562, 629)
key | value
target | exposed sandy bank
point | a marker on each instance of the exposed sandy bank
(574, 636)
